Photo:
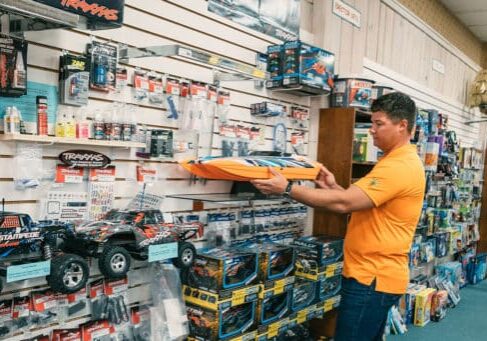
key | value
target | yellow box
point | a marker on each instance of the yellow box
(422, 307)
(223, 300)
(325, 271)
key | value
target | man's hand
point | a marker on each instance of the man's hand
(276, 185)
(326, 179)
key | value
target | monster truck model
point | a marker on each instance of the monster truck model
(22, 240)
(129, 233)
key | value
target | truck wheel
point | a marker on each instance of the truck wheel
(186, 255)
(69, 273)
(114, 262)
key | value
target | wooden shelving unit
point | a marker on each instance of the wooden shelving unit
(66, 140)
(335, 147)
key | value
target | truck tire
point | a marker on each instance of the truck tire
(186, 255)
(114, 262)
(69, 273)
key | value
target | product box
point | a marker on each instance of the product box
(274, 66)
(422, 307)
(316, 251)
(407, 302)
(304, 293)
(210, 324)
(352, 92)
(326, 271)
(223, 299)
(222, 269)
(441, 244)
(276, 261)
(270, 331)
(327, 287)
(439, 304)
(274, 304)
(307, 65)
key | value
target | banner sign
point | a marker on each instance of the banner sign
(280, 21)
(101, 14)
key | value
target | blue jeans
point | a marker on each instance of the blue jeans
(362, 313)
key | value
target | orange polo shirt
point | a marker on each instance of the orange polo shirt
(378, 240)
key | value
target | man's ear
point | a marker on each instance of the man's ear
(403, 124)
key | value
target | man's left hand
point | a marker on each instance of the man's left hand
(276, 185)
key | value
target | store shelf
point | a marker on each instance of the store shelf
(364, 163)
(240, 71)
(28, 15)
(66, 140)
(302, 90)
(226, 197)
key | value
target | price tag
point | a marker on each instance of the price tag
(328, 305)
(162, 251)
(26, 271)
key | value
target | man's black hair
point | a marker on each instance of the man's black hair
(397, 106)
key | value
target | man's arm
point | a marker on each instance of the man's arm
(335, 199)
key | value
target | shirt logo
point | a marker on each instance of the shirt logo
(373, 182)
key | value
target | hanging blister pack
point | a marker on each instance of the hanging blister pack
(121, 78)
(229, 142)
(103, 66)
(223, 106)
(27, 166)
(141, 86)
(13, 66)
(156, 89)
(279, 138)
(222, 228)
(74, 79)
(6, 309)
(173, 91)
(243, 140)
(297, 142)
(300, 117)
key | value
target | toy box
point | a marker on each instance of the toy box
(441, 244)
(352, 92)
(275, 261)
(209, 324)
(407, 302)
(422, 307)
(308, 65)
(439, 304)
(476, 268)
(223, 299)
(274, 304)
(274, 66)
(327, 287)
(323, 271)
(316, 251)
(304, 293)
(222, 269)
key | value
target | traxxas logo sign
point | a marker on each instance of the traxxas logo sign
(104, 11)
(84, 159)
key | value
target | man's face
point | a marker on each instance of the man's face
(386, 132)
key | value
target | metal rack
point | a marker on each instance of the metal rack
(28, 15)
(233, 70)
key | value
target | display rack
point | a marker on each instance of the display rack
(234, 70)
(67, 140)
(28, 15)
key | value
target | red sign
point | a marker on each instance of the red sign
(64, 174)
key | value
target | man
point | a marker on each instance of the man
(385, 205)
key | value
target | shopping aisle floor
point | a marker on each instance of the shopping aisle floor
(466, 322)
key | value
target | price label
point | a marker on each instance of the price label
(26, 271)
(163, 251)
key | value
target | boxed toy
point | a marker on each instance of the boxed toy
(422, 307)
(324, 271)
(274, 66)
(407, 302)
(276, 261)
(439, 304)
(476, 268)
(327, 287)
(441, 244)
(352, 92)
(304, 293)
(274, 304)
(308, 65)
(209, 324)
(223, 299)
(222, 269)
(315, 251)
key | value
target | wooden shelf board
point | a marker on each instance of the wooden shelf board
(66, 140)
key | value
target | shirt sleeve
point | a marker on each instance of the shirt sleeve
(387, 180)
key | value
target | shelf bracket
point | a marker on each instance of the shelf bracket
(231, 70)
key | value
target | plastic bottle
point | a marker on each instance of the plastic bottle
(60, 120)
(70, 126)
(107, 119)
(41, 105)
(98, 126)
(6, 120)
(83, 126)
(14, 121)
(20, 79)
(116, 133)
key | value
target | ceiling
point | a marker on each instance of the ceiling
(473, 13)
